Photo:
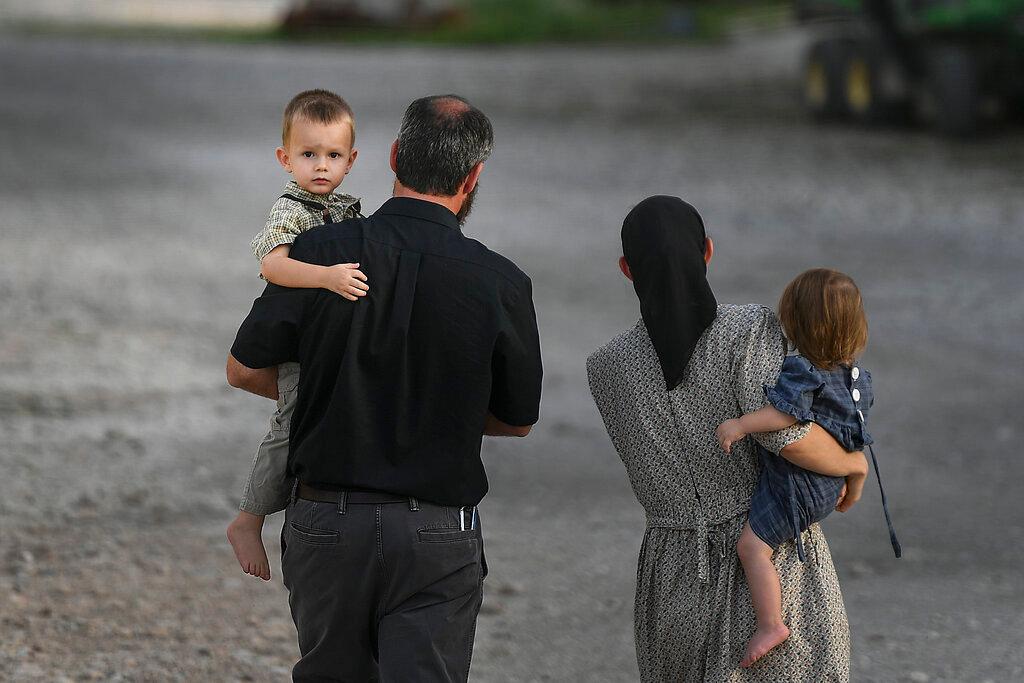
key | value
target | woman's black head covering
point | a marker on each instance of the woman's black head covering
(663, 240)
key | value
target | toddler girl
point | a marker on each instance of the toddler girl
(823, 317)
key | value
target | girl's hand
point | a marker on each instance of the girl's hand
(728, 433)
(347, 280)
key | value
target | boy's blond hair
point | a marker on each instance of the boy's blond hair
(319, 106)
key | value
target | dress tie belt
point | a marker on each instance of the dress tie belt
(702, 542)
(896, 548)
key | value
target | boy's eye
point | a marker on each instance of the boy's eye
(335, 155)
(308, 155)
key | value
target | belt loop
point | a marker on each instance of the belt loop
(342, 502)
(295, 492)
(414, 505)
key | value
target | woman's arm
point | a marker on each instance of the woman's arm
(819, 452)
(344, 278)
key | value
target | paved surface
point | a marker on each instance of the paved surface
(133, 175)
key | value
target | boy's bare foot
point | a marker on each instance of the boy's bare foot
(761, 643)
(245, 533)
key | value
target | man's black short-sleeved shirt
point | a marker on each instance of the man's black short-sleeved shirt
(395, 388)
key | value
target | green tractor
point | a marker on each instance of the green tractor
(953, 63)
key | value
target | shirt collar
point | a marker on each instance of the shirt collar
(292, 188)
(422, 209)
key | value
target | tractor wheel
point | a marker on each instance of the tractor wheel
(952, 92)
(862, 86)
(823, 79)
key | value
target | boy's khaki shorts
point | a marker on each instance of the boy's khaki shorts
(269, 488)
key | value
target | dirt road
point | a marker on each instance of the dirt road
(132, 177)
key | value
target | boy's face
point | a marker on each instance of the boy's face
(318, 155)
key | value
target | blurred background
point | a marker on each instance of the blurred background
(879, 138)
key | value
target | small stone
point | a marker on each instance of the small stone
(919, 677)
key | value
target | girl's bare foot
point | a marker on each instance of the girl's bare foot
(763, 640)
(245, 533)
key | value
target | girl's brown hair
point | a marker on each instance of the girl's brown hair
(823, 316)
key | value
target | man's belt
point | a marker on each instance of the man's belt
(349, 497)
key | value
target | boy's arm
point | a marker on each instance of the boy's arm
(344, 278)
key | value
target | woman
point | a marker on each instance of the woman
(662, 388)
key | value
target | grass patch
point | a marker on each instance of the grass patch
(499, 22)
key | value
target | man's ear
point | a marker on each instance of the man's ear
(624, 267)
(394, 156)
(282, 158)
(472, 178)
(709, 250)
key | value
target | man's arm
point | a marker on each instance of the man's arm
(495, 427)
(516, 369)
(259, 381)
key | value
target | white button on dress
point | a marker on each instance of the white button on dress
(856, 394)
(855, 373)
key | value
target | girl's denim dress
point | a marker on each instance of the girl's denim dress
(788, 499)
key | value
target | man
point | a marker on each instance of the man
(381, 549)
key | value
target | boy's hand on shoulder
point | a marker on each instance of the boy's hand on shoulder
(728, 433)
(347, 280)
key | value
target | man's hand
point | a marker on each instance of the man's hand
(345, 279)
(728, 433)
(259, 381)
(851, 493)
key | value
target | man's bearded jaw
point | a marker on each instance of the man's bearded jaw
(467, 206)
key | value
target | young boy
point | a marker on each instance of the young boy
(317, 149)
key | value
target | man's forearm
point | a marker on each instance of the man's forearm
(495, 427)
(819, 452)
(259, 381)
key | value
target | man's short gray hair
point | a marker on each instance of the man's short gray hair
(442, 138)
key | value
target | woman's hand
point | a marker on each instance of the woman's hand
(851, 493)
(728, 433)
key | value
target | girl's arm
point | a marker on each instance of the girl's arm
(766, 419)
(344, 278)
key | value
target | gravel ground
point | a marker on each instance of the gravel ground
(133, 176)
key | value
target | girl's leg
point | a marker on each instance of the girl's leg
(765, 593)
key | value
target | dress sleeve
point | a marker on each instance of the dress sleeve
(793, 393)
(759, 357)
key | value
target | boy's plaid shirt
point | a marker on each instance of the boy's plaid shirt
(288, 219)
